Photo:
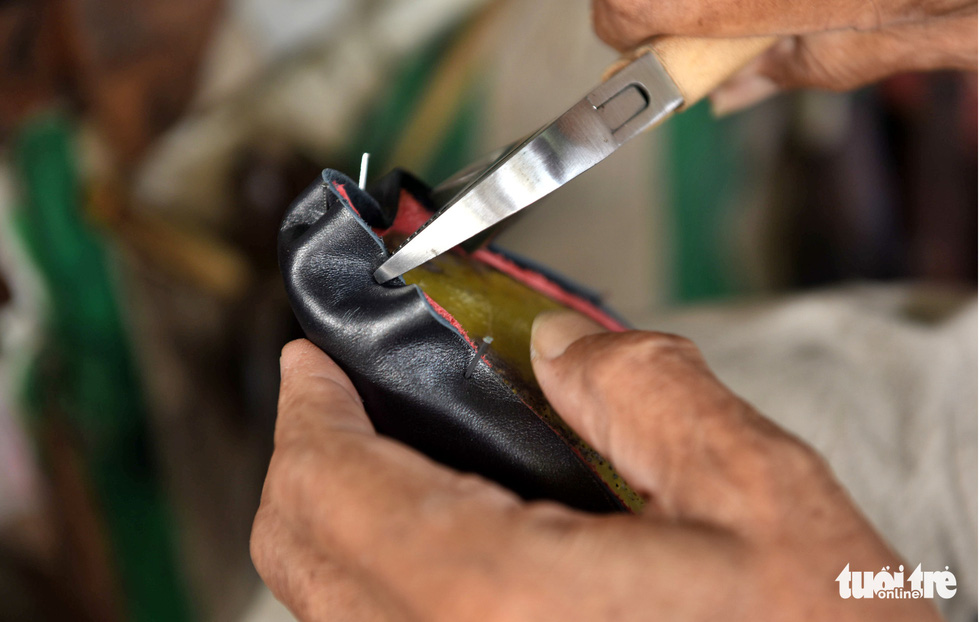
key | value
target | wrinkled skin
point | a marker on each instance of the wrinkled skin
(838, 44)
(744, 521)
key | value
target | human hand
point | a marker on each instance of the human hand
(837, 45)
(744, 522)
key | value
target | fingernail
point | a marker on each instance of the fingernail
(741, 92)
(553, 331)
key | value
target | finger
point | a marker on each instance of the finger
(844, 60)
(308, 582)
(649, 403)
(383, 511)
(381, 507)
(624, 24)
(315, 393)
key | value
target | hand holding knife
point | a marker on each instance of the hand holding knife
(658, 79)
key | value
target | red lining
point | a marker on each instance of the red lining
(343, 192)
(411, 215)
(446, 315)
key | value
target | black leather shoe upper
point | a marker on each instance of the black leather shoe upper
(407, 360)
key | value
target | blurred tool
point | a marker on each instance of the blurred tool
(668, 75)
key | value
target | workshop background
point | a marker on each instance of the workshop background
(148, 150)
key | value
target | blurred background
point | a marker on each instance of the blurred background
(148, 150)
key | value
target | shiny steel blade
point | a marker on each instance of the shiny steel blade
(634, 99)
(450, 188)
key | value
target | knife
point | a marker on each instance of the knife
(640, 91)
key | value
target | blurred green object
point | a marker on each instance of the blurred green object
(86, 377)
(703, 170)
(396, 107)
(459, 145)
(393, 109)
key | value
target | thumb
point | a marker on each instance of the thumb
(648, 402)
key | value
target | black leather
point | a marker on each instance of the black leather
(407, 362)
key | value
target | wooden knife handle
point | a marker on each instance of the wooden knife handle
(697, 65)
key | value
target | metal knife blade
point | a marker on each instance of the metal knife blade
(636, 98)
